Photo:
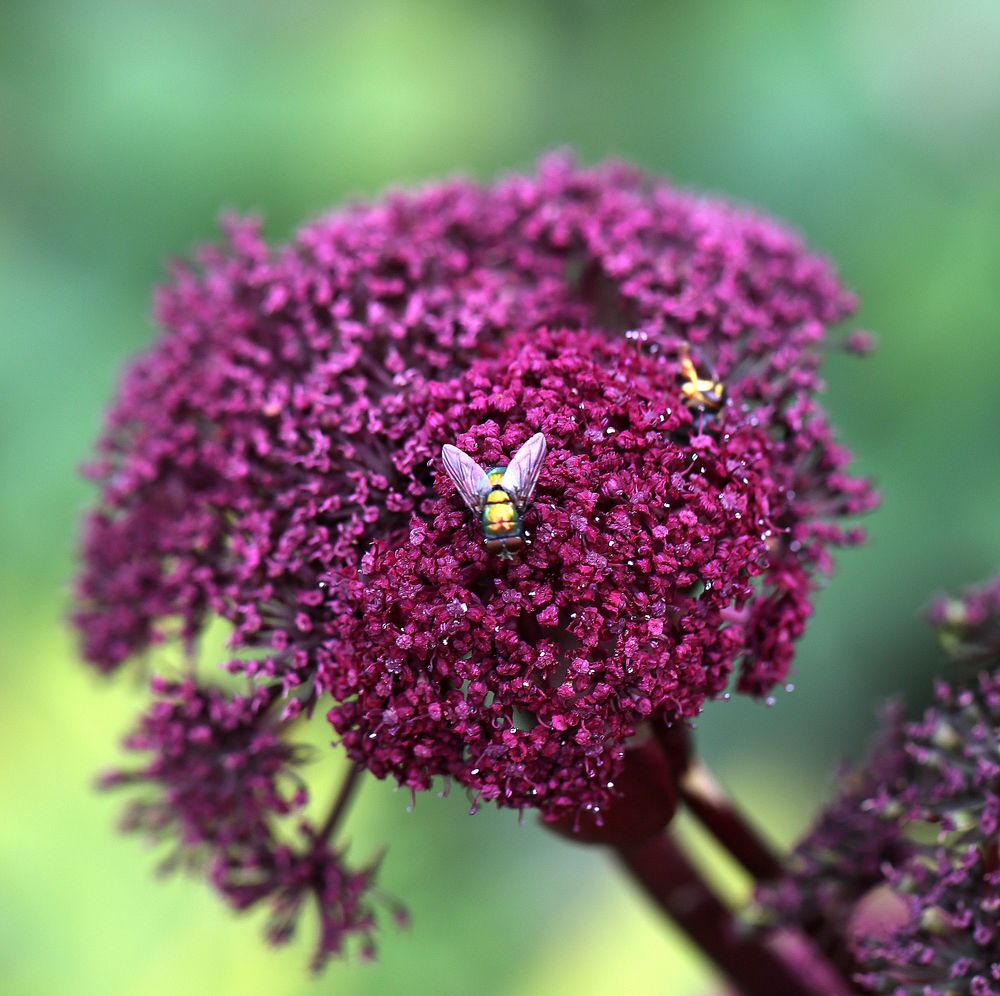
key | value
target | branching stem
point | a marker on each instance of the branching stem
(677, 887)
(709, 803)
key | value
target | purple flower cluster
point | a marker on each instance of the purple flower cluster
(523, 680)
(290, 877)
(219, 776)
(921, 820)
(969, 626)
(843, 858)
(951, 886)
(273, 461)
(218, 768)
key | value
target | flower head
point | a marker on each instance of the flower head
(969, 625)
(291, 877)
(218, 769)
(951, 885)
(219, 780)
(274, 460)
(919, 824)
(635, 599)
(844, 856)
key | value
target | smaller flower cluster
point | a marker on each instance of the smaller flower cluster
(219, 778)
(969, 627)
(950, 885)
(920, 822)
(843, 857)
(290, 878)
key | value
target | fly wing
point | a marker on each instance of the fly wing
(521, 476)
(468, 477)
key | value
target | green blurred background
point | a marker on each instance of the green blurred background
(125, 127)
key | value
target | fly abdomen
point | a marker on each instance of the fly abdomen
(504, 547)
(500, 517)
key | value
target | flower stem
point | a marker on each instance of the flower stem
(340, 803)
(708, 802)
(671, 881)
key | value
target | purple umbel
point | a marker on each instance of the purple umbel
(273, 461)
(907, 860)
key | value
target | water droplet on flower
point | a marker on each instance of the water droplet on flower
(769, 701)
(609, 431)
(789, 687)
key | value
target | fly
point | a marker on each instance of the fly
(499, 496)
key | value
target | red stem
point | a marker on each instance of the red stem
(706, 800)
(676, 886)
(340, 803)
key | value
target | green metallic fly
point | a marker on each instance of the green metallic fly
(499, 496)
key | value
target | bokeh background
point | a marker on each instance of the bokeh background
(127, 125)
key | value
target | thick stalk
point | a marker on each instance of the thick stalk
(676, 886)
(707, 801)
